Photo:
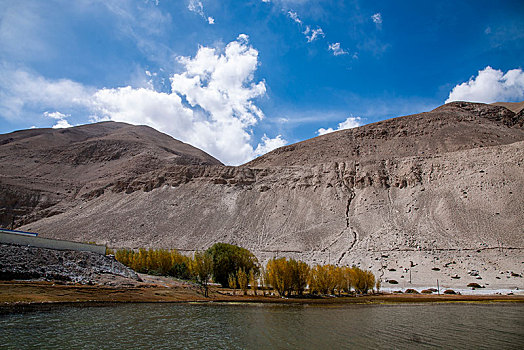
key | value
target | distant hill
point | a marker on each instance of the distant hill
(40, 168)
(515, 107)
(453, 127)
(439, 194)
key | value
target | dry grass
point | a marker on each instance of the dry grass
(14, 293)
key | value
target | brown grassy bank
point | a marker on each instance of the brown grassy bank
(15, 294)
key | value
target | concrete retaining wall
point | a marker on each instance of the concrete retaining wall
(40, 242)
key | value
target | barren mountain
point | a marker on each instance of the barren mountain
(431, 196)
(515, 107)
(40, 169)
(453, 127)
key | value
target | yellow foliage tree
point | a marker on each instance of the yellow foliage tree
(232, 282)
(202, 269)
(253, 283)
(242, 280)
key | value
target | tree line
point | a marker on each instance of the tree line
(236, 267)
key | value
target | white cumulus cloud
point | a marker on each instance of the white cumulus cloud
(61, 121)
(337, 50)
(211, 105)
(269, 144)
(377, 18)
(21, 90)
(349, 123)
(491, 85)
(313, 34)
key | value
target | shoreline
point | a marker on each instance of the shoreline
(20, 296)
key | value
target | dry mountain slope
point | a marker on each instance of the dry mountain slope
(452, 127)
(515, 107)
(439, 193)
(40, 169)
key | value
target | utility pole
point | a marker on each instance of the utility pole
(410, 275)
(438, 288)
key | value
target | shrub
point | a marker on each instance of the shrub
(392, 281)
(411, 291)
(426, 291)
(474, 285)
(449, 291)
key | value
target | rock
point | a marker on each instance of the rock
(18, 262)
(411, 291)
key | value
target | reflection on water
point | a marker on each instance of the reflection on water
(212, 326)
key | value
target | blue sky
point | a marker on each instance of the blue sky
(239, 78)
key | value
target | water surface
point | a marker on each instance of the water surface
(262, 326)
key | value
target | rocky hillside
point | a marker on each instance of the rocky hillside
(439, 194)
(453, 127)
(23, 263)
(40, 169)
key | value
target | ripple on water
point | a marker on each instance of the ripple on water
(213, 326)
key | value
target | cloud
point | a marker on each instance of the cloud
(269, 144)
(491, 85)
(144, 24)
(377, 18)
(211, 104)
(313, 33)
(294, 16)
(21, 91)
(337, 50)
(310, 34)
(61, 121)
(349, 123)
(197, 7)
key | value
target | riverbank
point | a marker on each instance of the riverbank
(20, 294)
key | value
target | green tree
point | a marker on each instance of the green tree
(229, 258)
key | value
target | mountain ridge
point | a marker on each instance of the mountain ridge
(399, 202)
